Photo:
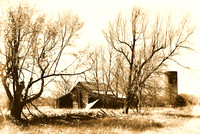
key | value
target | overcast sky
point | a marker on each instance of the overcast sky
(97, 13)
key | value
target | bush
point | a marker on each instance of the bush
(180, 101)
(153, 101)
(190, 99)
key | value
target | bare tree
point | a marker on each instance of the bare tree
(146, 46)
(34, 49)
(97, 73)
(62, 86)
(103, 61)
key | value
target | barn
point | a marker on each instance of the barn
(87, 92)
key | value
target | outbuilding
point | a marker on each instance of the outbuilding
(87, 92)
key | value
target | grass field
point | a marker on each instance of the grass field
(115, 122)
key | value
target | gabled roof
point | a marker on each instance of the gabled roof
(99, 88)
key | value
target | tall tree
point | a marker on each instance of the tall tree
(146, 46)
(33, 50)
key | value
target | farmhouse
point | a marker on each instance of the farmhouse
(87, 92)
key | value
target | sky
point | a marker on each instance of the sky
(97, 13)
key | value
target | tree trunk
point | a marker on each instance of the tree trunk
(126, 108)
(126, 105)
(16, 112)
(131, 100)
(140, 101)
(16, 108)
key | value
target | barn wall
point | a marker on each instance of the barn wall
(79, 98)
(75, 97)
(106, 101)
(84, 100)
(65, 101)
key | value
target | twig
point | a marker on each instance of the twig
(29, 110)
(37, 109)
(24, 115)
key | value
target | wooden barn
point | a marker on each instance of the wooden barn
(87, 92)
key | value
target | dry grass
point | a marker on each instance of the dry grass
(115, 123)
(106, 125)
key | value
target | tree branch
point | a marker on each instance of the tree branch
(122, 52)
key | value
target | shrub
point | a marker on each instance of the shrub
(190, 99)
(180, 101)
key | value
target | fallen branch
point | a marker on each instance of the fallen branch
(103, 112)
(70, 117)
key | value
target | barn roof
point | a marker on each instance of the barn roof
(99, 88)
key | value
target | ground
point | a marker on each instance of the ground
(153, 120)
(191, 126)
